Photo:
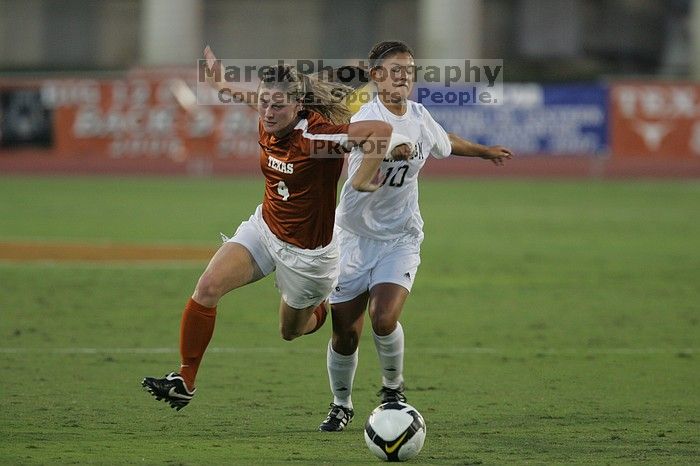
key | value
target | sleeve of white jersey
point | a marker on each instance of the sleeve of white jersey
(364, 113)
(441, 146)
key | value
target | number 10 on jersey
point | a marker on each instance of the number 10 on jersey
(397, 176)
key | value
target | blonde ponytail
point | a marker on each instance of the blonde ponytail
(326, 98)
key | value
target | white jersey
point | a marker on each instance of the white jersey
(392, 211)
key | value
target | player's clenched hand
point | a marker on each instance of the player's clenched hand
(210, 57)
(212, 63)
(497, 154)
(401, 152)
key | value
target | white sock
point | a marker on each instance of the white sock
(341, 373)
(390, 352)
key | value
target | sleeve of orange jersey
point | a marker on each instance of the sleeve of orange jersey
(324, 139)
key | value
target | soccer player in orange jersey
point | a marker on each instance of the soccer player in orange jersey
(302, 136)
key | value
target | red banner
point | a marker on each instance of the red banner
(655, 119)
(142, 118)
(148, 121)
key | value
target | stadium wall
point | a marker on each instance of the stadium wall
(142, 123)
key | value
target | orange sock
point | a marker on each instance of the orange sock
(321, 311)
(196, 329)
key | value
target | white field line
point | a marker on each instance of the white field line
(437, 351)
(106, 264)
(72, 240)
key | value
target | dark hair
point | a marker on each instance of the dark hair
(386, 49)
(326, 98)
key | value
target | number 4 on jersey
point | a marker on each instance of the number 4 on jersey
(393, 182)
(282, 190)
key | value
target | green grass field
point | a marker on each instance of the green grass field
(551, 322)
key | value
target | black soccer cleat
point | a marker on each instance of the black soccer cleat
(338, 418)
(171, 389)
(392, 395)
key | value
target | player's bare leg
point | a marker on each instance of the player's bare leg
(348, 318)
(231, 267)
(297, 322)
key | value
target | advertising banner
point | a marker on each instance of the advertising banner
(144, 118)
(153, 121)
(655, 119)
(566, 119)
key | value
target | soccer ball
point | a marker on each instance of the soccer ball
(395, 431)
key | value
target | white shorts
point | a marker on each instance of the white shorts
(365, 262)
(304, 277)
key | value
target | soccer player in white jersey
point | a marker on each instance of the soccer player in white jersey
(379, 234)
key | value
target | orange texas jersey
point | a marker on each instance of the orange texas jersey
(301, 171)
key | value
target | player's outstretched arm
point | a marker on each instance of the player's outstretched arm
(238, 91)
(464, 148)
(373, 138)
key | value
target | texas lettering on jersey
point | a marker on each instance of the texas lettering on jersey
(280, 166)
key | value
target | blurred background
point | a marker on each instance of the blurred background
(86, 86)
(541, 39)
